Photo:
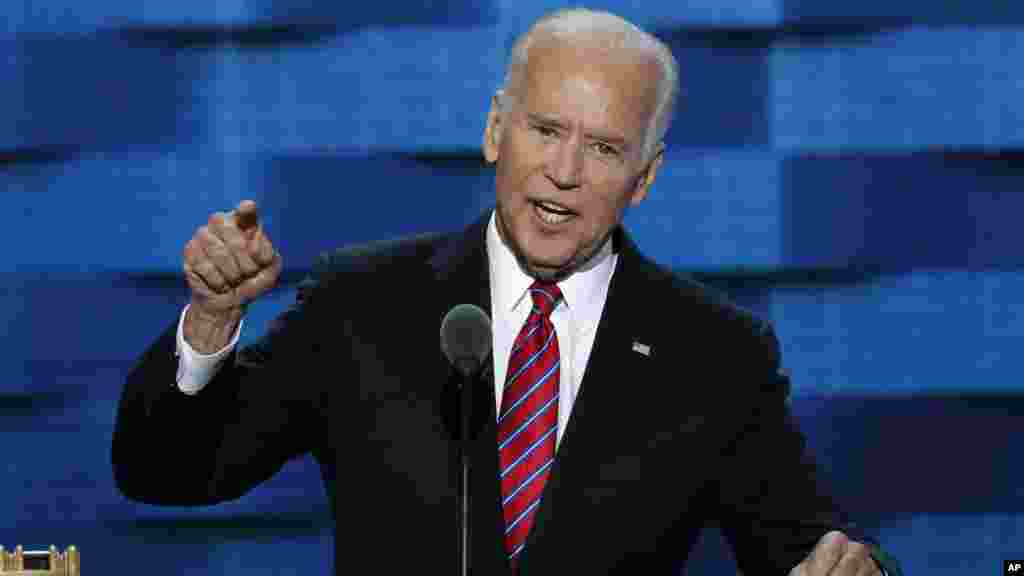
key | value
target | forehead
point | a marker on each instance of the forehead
(594, 84)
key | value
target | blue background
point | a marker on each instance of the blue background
(852, 171)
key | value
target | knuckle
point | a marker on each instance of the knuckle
(835, 538)
(227, 255)
(208, 280)
(205, 236)
(230, 262)
(217, 251)
(226, 272)
(235, 242)
(238, 247)
(849, 562)
(207, 269)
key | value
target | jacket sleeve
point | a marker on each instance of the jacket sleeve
(262, 408)
(773, 507)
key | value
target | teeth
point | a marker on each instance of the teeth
(550, 218)
(554, 207)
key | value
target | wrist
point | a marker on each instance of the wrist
(209, 332)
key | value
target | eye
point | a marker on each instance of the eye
(545, 131)
(604, 149)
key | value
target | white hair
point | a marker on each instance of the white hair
(585, 24)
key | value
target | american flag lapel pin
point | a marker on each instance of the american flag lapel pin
(641, 348)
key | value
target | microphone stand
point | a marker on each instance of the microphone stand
(468, 369)
(466, 343)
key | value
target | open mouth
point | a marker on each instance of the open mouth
(551, 213)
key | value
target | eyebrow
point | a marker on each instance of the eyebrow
(554, 122)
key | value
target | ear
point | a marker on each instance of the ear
(492, 133)
(646, 177)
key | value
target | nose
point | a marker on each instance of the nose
(565, 166)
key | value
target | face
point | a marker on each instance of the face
(568, 153)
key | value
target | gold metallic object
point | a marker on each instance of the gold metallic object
(40, 562)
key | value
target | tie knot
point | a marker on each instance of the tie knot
(545, 297)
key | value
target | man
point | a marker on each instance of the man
(630, 407)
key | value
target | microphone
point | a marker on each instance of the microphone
(466, 342)
(466, 338)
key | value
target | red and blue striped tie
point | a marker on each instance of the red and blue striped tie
(528, 420)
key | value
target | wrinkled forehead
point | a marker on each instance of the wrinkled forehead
(595, 82)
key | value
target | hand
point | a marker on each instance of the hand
(837, 555)
(229, 262)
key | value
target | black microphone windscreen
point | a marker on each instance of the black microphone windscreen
(466, 336)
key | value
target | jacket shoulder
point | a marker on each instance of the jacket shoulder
(371, 256)
(705, 323)
(690, 302)
(361, 266)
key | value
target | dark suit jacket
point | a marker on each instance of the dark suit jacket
(657, 446)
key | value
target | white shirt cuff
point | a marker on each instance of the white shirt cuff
(195, 370)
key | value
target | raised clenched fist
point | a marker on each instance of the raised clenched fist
(228, 263)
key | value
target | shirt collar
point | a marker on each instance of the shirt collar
(582, 291)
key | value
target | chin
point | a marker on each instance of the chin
(548, 275)
(550, 272)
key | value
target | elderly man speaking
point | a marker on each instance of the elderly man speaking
(629, 407)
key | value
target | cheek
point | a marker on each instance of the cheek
(527, 151)
(612, 194)
(517, 146)
(509, 175)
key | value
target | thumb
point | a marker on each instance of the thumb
(246, 216)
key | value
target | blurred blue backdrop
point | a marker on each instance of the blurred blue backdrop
(851, 171)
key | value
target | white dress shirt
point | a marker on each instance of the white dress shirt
(575, 320)
(195, 370)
